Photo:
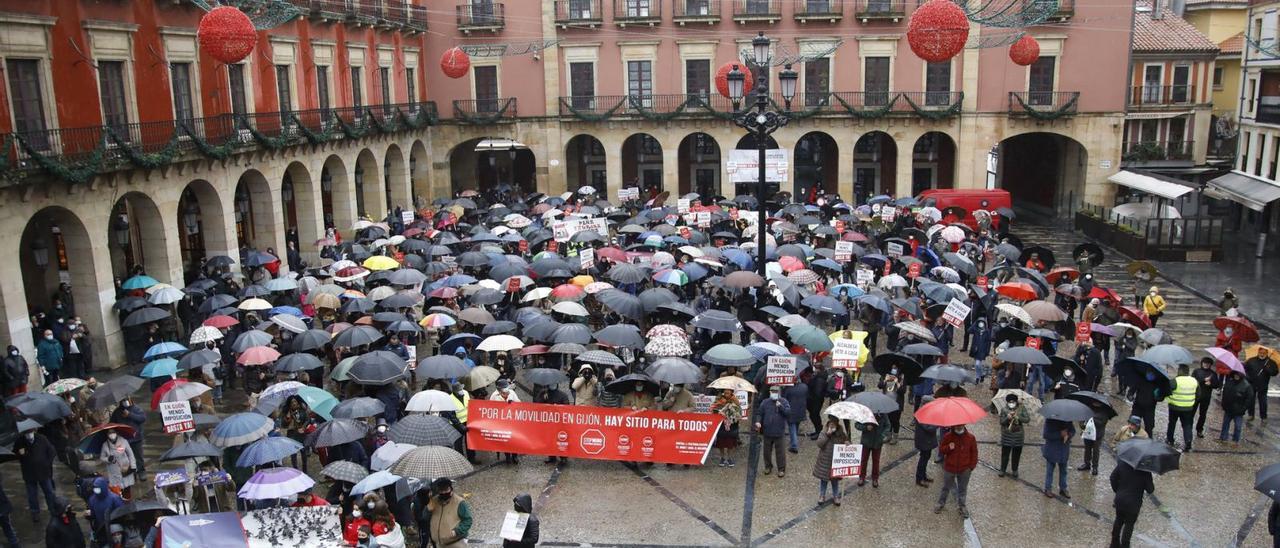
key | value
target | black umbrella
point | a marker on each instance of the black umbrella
(625, 304)
(1024, 354)
(129, 304)
(627, 384)
(358, 306)
(571, 333)
(337, 432)
(358, 408)
(627, 274)
(1139, 372)
(620, 335)
(359, 335)
(921, 349)
(219, 261)
(114, 390)
(145, 315)
(423, 430)
(654, 297)
(1066, 410)
(1099, 403)
(138, 506)
(311, 339)
(717, 320)
(192, 450)
(442, 367)
(909, 369)
(1267, 481)
(1045, 254)
(946, 372)
(39, 406)
(1059, 364)
(545, 376)
(877, 402)
(250, 339)
(397, 301)
(255, 258)
(1091, 250)
(1148, 455)
(291, 363)
(1009, 333)
(499, 327)
(377, 368)
(198, 358)
(215, 302)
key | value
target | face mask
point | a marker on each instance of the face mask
(126, 403)
(1013, 404)
(958, 429)
(1228, 331)
(97, 490)
(71, 399)
(48, 337)
(1151, 376)
(370, 505)
(675, 389)
(30, 436)
(774, 395)
(445, 496)
(355, 513)
(13, 353)
(639, 388)
(382, 429)
(113, 437)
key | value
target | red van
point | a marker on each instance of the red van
(969, 199)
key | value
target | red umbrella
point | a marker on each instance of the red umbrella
(790, 264)
(1056, 275)
(160, 392)
(1244, 329)
(351, 272)
(950, 412)
(853, 236)
(1135, 317)
(763, 330)
(534, 349)
(1018, 291)
(613, 254)
(444, 293)
(567, 291)
(220, 322)
(258, 355)
(1099, 292)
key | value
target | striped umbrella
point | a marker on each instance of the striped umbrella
(423, 430)
(344, 470)
(276, 483)
(429, 463)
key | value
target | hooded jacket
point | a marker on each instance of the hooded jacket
(15, 371)
(524, 504)
(63, 530)
(102, 503)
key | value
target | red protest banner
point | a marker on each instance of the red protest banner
(513, 284)
(913, 271)
(1084, 332)
(1032, 342)
(590, 432)
(839, 226)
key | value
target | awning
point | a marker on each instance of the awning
(1246, 190)
(1155, 114)
(1149, 184)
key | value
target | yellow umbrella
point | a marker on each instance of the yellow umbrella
(582, 281)
(1253, 351)
(457, 211)
(381, 262)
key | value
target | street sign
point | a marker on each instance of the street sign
(780, 370)
(176, 416)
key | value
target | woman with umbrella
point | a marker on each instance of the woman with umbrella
(728, 407)
(832, 434)
(1014, 419)
(1056, 451)
(294, 419)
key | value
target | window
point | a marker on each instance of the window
(817, 82)
(235, 83)
(818, 6)
(640, 81)
(696, 8)
(697, 77)
(115, 112)
(183, 103)
(580, 9)
(486, 88)
(384, 79)
(284, 93)
(876, 81)
(582, 84)
(1149, 131)
(357, 89)
(1177, 135)
(757, 7)
(638, 8)
(482, 12)
(937, 84)
(1218, 74)
(410, 87)
(1181, 90)
(322, 89)
(27, 100)
(1040, 83)
(649, 146)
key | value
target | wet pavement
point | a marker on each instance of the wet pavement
(1208, 502)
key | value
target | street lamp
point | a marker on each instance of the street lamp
(40, 251)
(760, 122)
(191, 217)
(120, 230)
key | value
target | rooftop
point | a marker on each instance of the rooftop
(1232, 46)
(1170, 33)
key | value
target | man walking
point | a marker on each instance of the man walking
(1129, 485)
(1182, 406)
(1207, 380)
(37, 455)
(771, 422)
(959, 451)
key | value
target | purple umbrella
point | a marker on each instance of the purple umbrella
(1227, 358)
(1099, 328)
(276, 483)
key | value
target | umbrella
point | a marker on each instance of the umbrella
(194, 449)
(167, 367)
(258, 355)
(344, 470)
(388, 454)
(674, 371)
(432, 401)
(423, 430)
(621, 336)
(1024, 354)
(730, 355)
(500, 343)
(717, 320)
(240, 429)
(914, 329)
(1142, 270)
(732, 382)
(374, 481)
(908, 368)
(1225, 357)
(141, 281)
(851, 411)
(429, 463)
(177, 390)
(1044, 311)
(268, 450)
(163, 350)
(276, 483)
(140, 506)
(623, 303)
(1148, 455)
(949, 412)
(298, 362)
(921, 349)
(442, 367)
(144, 315)
(1267, 481)
(359, 408)
(250, 339)
(947, 373)
(360, 335)
(1099, 403)
(480, 377)
(377, 368)
(877, 402)
(62, 386)
(289, 323)
(810, 337)
(743, 279)
(1135, 371)
(204, 334)
(545, 376)
(1168, 354)
(1059, 365)
(627, 383)
(1031, 403)
(41, 407)
(114, 390)
(1066, 410)
(337, 432)
(1243, 328)
(1155, 336)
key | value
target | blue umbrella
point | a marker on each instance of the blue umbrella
(163, 350)
(846, 289)
(738, 257)
(879, 199)
(290, 310)
(458, 280)
(268, 450)
(163, 367)
(695, 271)
(451, 344)
(141, 281)
(376, 480)
(828, 264)
(240, 428)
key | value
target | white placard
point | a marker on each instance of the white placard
(743, 166)
(844, 353)
(702, 403)
(412, 350)
(587, 256)
(628, 193)
(846, 460)
(888, 214)
(893, 249)
(955, 313)
(682, 205)
(780, 370)
(564, 230)
(176, 416)
(513, 526)
(704, 219)
(865, 277)
(844, 251)
(406, 216)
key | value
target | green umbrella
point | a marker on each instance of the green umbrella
(318, 400)
(340, 371)
(810, 337)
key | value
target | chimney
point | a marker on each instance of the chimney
(1157, 9)
(1179, 7)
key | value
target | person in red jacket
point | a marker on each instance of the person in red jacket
(305, 498)
(959, 451)
(354, 521)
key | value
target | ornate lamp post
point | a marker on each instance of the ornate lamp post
(760, 122)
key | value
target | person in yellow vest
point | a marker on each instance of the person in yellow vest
(1182, 406)
(1153, 305)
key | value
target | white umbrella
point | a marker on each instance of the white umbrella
(1015, 311)
(165, 295)
(204, 334)
(500, 343)
(570, 308)
(431, 401)
(289, 323)
(892, 281)
(852, 411)
(254, 304)
(586, 189)
(388, 454)
(535, 294)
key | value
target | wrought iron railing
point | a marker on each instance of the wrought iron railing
(637, 11)
(818, 9)
(755, 10)
(475, 110)
(880, 9)
(1157, 151)
(386, 13)
(481, 15)
(1154, 94)
(1043, 104)
(578, 12)
(696, 10)
(858, 104)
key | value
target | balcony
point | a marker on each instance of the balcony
(77, 154)
(845, 104)
(1066, 9)
(1157, 95)
(478, 111)
(578, 13)
(1155, 152)
(481, 16)
(387, 14)
(697, 11)
(880, 10)
(637, 12)
(1044, 105)
(819, 10)
(757, 11)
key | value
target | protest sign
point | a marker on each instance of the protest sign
(780, 370)
(176, 416)
(844, 353)
(955, 313)
(846, 460)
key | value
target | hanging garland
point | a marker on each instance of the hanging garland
(1066, 109)
(153, 160)
(938, 30)
(936, 114)
(488, 118)
(455, 63)
(589, 117)
(350, 130)
(226, 34)
(1025, 51)
(78, 172)
(864, 113)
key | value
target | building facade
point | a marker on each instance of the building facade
(129, 147)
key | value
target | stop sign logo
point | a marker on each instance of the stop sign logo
(592, 441)
(624, 440)
(562, 436)
(647, 441)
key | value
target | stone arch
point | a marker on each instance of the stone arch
(253, 212)
(698, 159)
(204, 228)
(875, 165)
(300, 197)
(642, 163)
(585, 164)
(138, 238)
(396, 177)
(512, 170)
(817, 162)
(419, 173)
(933, 162)
(748, 142)
(337, 195)
(1044, 172)
(370, 196)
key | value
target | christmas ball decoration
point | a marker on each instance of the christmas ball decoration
(455, 63)
(937, 30)
(226, 34)
(722, 78)
(1025, 51)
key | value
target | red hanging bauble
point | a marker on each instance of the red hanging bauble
(938, 30)
(226, 34)
(722, 78)
(455, 63)
(1025, 51)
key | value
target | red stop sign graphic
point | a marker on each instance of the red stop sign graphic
(592, 441)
